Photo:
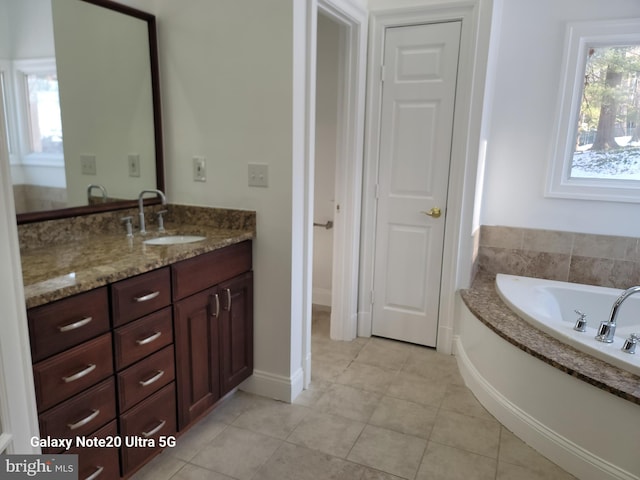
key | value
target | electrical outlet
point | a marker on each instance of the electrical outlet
(88, 164)
(199, 169)
(258, 175)
(134, 164)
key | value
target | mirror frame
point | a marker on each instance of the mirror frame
(150, 19)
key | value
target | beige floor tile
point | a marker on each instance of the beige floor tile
(392, 452)
(384, 353)
(371, 474)
(515, 451)
(327, 350)
(417, 389)
(237, 453)
(476, 435)
(508, 471)
(193, 472)
(348, 402)
(327, 371)
(235, 406)
(160, 468)
(367, 377)
(442, 462)
(460, 399)
(434, 366)
(327, 433)
(404, 417)
(294, 462)
(276, 419)
(189, 444)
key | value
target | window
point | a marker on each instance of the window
(38, 109)
(597, 148)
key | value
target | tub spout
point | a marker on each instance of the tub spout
(608, 329)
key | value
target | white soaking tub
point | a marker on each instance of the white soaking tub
(550, 306)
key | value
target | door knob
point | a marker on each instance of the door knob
(435, 212)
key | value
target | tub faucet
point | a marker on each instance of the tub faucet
(608, 329)
(143, 230)
(101, 188)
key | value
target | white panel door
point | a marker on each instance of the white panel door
(418, 96)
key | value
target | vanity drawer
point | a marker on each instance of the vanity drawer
(145, 377)
(151, 419)
(68, 322)
(135, 297)
(105, 460)
(82, 414)
(70, 372)
(142, 337)
(198, 273)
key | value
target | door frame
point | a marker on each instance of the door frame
(458, 239)
(345, 269)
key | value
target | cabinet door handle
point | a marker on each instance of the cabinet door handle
(153, 379)
(149, 339)
(155, 430)
(84, 421)
(216, 312)
(76, 376)
(95, 474)
(147, 297)
(74, 325)
(228, 298)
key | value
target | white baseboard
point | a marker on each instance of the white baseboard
(321, 296)
(279, 387)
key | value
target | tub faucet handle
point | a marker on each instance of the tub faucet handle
(581, 322)
(630, 343)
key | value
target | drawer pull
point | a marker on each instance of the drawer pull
(217, 310)
(153, 379)
(147, 297)
(228, 298)
(84, 421)
(74, 325)
(149, 339)
(155, 430)
(76, 376)
(95, 474)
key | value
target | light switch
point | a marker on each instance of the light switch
(88, 164)
(258, 175)
(133, 161)
(199, 169)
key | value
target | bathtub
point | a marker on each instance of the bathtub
(550, 306)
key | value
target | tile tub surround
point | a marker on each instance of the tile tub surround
(64, 257)
(483, 301)
(607, 261)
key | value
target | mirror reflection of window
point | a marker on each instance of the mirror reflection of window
(3, 102)
(43, 113)
(608, 123)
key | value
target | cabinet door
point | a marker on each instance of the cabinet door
(197, 354)
(236, 331)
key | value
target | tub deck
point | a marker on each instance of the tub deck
(484, 302)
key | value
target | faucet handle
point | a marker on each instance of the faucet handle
(161, 220)
(581, 322)
(630, 343)
(127, 221)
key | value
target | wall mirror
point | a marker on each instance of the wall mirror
(80, 93)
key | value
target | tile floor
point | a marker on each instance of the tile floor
(376, 410)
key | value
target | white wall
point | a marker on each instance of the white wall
(527, 79)
(227, 83)
(325, 155)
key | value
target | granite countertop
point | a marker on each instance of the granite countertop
(483, 301)
(78, 263)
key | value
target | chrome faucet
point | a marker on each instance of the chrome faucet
(143, 230)
(608, 329)
(91, 186)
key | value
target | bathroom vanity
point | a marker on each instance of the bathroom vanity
(137, 357)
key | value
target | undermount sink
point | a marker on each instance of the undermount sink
(174, 240)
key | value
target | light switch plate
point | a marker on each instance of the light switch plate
(88, 164)
(133, 161)
(199, 169)
(258, 175)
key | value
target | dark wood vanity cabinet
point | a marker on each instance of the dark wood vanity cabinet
(143, 357)
(213, 326)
